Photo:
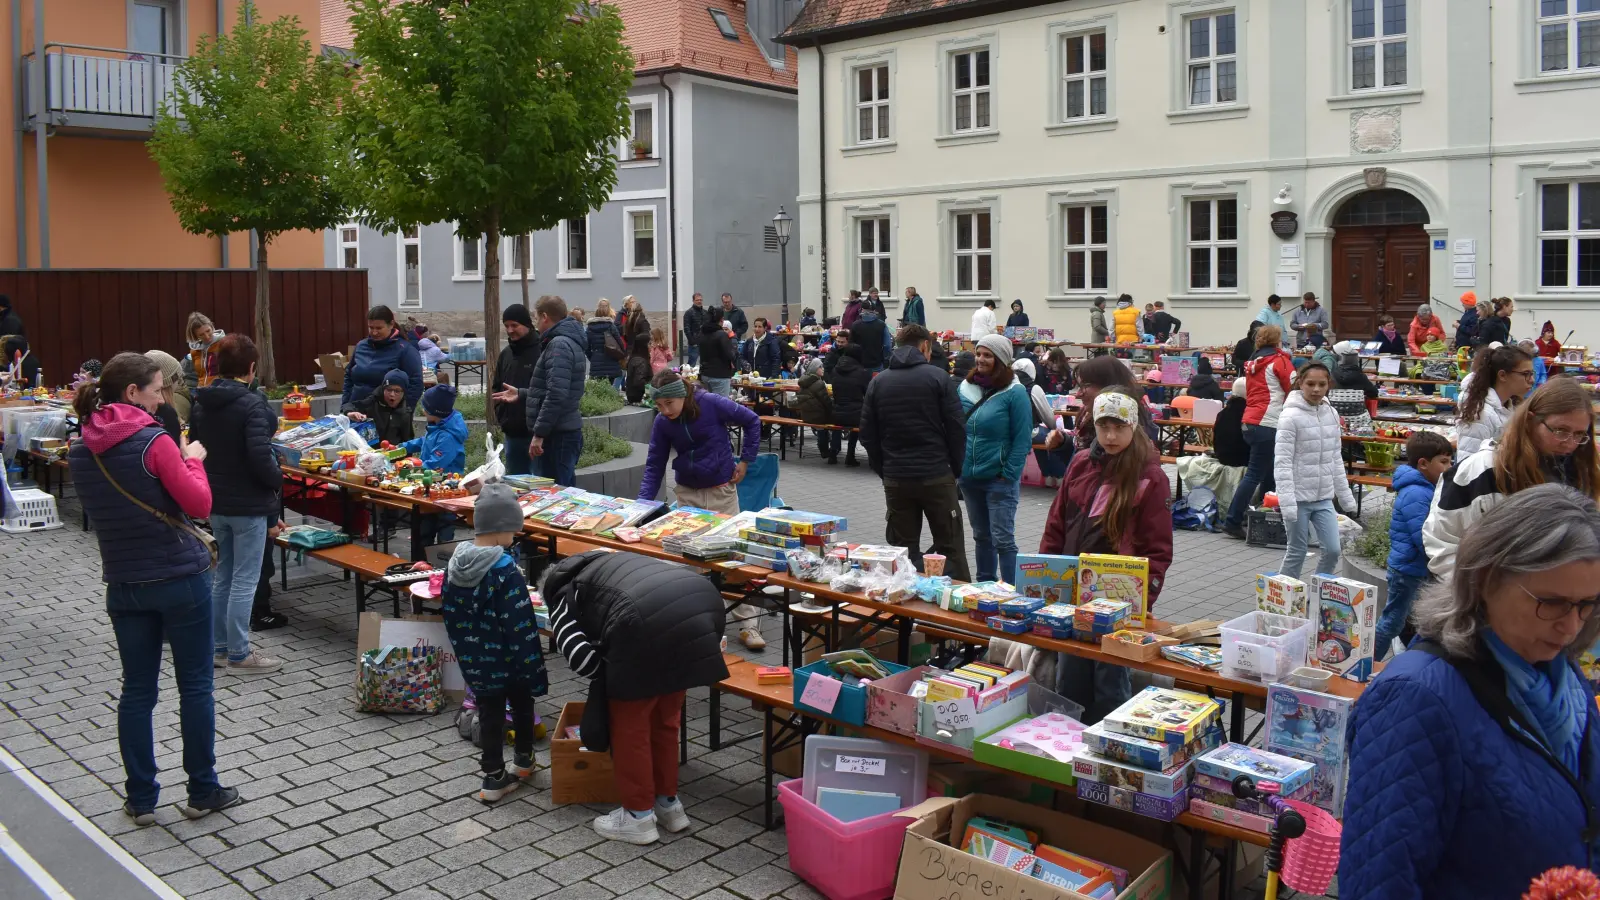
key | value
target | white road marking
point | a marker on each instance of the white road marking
(30, 867)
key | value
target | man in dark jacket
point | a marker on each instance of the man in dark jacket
(513, 371)
(871, 334)
(915, 436)
(386, 409)
(554, 390)
(236, 426)
(762, 351)
(1163, 324)
(10, 322)
(831, 361)
(694, 318)
(718, 356)
(735, 317)
(850, 380)
(913, 313)
(383, 348)
(644, 631)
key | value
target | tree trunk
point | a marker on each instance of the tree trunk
(266, 369)
(527, 262)
(491, 313)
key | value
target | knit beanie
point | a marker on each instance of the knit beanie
(439, 400)
(518, 313)
(999, 346)
(497, 510)
(396, 377)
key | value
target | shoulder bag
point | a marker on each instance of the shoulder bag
(181, 524)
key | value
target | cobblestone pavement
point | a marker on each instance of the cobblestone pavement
(343, 805)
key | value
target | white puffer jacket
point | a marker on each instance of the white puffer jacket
(1471, 436)
(1307, 459)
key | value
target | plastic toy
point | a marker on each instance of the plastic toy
(296, 406)
(315, 460)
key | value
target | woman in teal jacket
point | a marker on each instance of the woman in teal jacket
(999, 436)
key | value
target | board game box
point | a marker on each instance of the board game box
(1123, 578)
(1282, 594)
(1164, 808)
(1306, 722)
(1347, 614)
(1170, 716)
(1232, 760)
(1050, 576)
(1169, 783)
(798, 522)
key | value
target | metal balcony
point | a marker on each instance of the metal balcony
(98, 90)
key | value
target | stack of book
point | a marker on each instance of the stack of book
(685, 521)
(774, 531)
(1140, 758)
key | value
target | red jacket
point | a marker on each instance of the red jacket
(1268, 378)
(1073, 524)
(1419, 334)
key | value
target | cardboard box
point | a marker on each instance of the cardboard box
(1282, 594)
(333, 366)
(578, 775)
(374, 630)
(1347, 615)
(891, 707)
(931, 868)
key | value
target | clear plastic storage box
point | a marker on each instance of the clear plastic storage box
(1263, 646)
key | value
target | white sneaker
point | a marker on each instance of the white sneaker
(620, 825)
(671, 816)
(219, 661)
(752, 639)
(255, 664)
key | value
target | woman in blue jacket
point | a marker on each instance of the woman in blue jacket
(999, 436)
(381, 350)
(1475, 755)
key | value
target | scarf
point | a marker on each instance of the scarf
(983, 381)
(1549, 696)
(1388, 331)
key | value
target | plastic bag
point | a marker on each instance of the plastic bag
(849, 581)
(348, 438)
(899, 586)
(493, 468)
(803, 564)
(373, 465)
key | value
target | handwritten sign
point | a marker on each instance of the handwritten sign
(821, 693)
(410, 633)
(958, 713)
(859, 765)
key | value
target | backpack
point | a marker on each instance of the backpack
(614, 347)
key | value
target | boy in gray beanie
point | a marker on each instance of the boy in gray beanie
(495, 636)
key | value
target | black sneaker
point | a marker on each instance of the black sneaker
(497, 786)
(1233, 531)
(268, 621)
(220, 799)
(833, 460)
(852, 463)
(139, 816)
(522, 766)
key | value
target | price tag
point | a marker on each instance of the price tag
(959, 713)
(859, 765)
(821, 693)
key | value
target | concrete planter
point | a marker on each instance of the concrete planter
(1360, 569)
(631, 423)
(617, 477)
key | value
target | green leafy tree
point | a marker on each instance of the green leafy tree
(249, 141)
(502, 116)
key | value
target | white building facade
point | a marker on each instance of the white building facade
(1207, 153)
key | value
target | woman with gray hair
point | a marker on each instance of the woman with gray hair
(1425, 327)
(1474, 757)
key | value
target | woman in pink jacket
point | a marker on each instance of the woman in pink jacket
(1268, 377)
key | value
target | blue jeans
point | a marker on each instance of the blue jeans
(1403, 591)
(560, 458)
(723, 386)
(1052, 464)
(692, 353)
(1318, 513)
(241, 540)
(1257, 473)
(517, 461)
(1098, 687)
(178, 610)
(992, 509)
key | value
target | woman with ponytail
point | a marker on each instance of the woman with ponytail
(140, 488)
(1500, 378)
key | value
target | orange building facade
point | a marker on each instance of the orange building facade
(94, 73)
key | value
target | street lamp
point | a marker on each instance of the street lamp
(781, 223)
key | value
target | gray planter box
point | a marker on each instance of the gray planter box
(1359, 569)
(631, 423)
(617, 477)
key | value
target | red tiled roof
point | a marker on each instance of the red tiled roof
(663, 35)
(820, 17)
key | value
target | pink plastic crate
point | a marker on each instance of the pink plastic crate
(843, 860)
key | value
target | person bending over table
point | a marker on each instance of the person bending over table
(1113, 500)
(1475, 755)
(692, 426)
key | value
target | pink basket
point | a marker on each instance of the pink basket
(843, 860)
(1309, 862)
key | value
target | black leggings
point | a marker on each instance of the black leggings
(492, 725)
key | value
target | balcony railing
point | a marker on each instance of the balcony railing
(102, 87)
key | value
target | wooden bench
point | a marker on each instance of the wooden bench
(782, 422)
(367, 566)
(1360, 483)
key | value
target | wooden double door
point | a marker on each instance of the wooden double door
(1377, 269)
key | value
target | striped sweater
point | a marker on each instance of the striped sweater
(582, 656)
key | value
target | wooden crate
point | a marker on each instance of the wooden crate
(577, 775)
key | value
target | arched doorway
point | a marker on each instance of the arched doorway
(1380, 261)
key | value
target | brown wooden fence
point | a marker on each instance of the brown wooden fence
(76, 314)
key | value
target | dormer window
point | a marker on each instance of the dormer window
(724, 24)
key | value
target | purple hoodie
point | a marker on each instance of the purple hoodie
(703, 458)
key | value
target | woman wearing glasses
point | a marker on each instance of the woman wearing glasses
(1475, 755)
(1506, 376)
(1549, 440)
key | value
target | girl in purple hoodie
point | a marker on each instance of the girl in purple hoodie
(694, 424)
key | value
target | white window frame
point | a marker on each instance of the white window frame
(948, 210)
(1569, 20)
(1212, 61)
(1213, 244)
(967, 220)
(1379, 42)
(972, 92)
(626, 151)
(458, 256)
(1056, 205)
(848, 67)
(1057, 34)
(565, 272)
(1089, 247)
(402, 241)
(1179, 14)
(1572, 234)
(877, 256)
(630, 269)
(341, 245)
(947, 93)
(1086, 78)
(508, 258)
(877, 102)
(1179, 193)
